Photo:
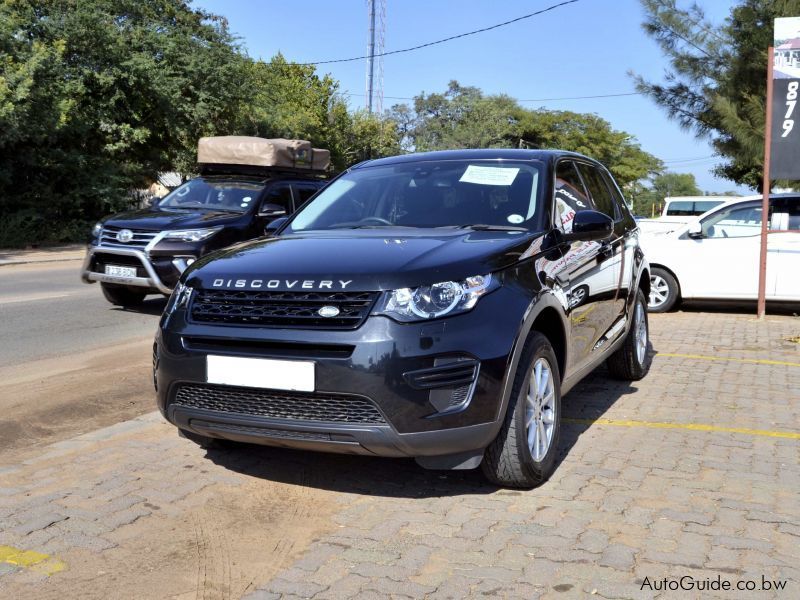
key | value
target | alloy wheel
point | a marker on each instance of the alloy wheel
(640, 324)
(540, 409)
(659, 291)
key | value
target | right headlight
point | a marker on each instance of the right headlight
(436, 300)
(179, 299)
(97, 229)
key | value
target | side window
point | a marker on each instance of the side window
(280, 194)
(737, 221)
(784, 214)
(620, 205)
(570, 195)
(680, 208)
(599, 190)
(303, 193)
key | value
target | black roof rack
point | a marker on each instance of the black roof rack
(258, 171)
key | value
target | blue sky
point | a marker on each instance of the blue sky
(585, 48)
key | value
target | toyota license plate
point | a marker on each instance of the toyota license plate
(120, 271)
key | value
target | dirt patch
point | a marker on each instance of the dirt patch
(53, 399)
(226, 545)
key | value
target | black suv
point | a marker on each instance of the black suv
(145, 251)
(432, 305)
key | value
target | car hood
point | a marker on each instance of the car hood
(157, 219)
(359, 260)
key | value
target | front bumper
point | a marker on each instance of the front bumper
(382, 361)
(158, 272)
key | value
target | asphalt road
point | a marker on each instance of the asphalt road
(47, 311)
(70, 362)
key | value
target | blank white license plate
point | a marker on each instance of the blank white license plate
(120, 271)
(261, 373)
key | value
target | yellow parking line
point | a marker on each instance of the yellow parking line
(691, 426)
(755, 361)
(28, 559)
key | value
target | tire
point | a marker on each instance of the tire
(664, 291)
(632, 361)
(205, 442)
(509, 461)
(119, 295)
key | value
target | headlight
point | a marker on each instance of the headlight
(179, 298)
(97, 229)
(437, 300)
(191, 235)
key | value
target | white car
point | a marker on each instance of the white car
(716, 255)
(679, 210)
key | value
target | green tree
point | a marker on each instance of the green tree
(96, 96)
(662, 186)
(715, 86)
(463, 117)
(293, 101)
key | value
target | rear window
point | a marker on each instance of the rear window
(690, 208)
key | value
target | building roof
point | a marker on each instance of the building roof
(793, 44)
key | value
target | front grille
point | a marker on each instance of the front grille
(108, 237)
(282, 309)
(294, 406)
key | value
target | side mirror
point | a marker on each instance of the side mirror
(153, 202)
(695, 230)
(589, 226)
(274, 225)
(271, 210)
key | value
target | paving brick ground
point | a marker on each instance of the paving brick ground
(629, 503)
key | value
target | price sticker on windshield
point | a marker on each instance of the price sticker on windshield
(490, 175)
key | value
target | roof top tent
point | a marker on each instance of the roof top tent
(261, 156)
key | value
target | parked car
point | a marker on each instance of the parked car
(679, 210)
(421, 305)
(141, 252)
(716, 256)
(690, 206)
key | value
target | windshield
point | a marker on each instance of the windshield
(428, 194)
(210, 194)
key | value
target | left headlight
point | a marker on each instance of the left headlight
(97, 229)
(436, 300)
(191, 235)
(179, 298)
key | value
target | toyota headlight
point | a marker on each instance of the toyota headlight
(191, 235)
(437, 300)
(97, 229)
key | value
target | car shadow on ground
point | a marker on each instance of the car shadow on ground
(151, 306)
(403, 478)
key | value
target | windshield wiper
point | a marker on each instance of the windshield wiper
(487, 227)
(202, 207)
(348, 226)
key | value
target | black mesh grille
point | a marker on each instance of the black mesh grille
(282, 309)
(297, 406)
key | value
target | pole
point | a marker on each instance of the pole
(762, 265)
(371, 68)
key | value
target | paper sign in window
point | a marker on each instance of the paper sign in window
(489, 175)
